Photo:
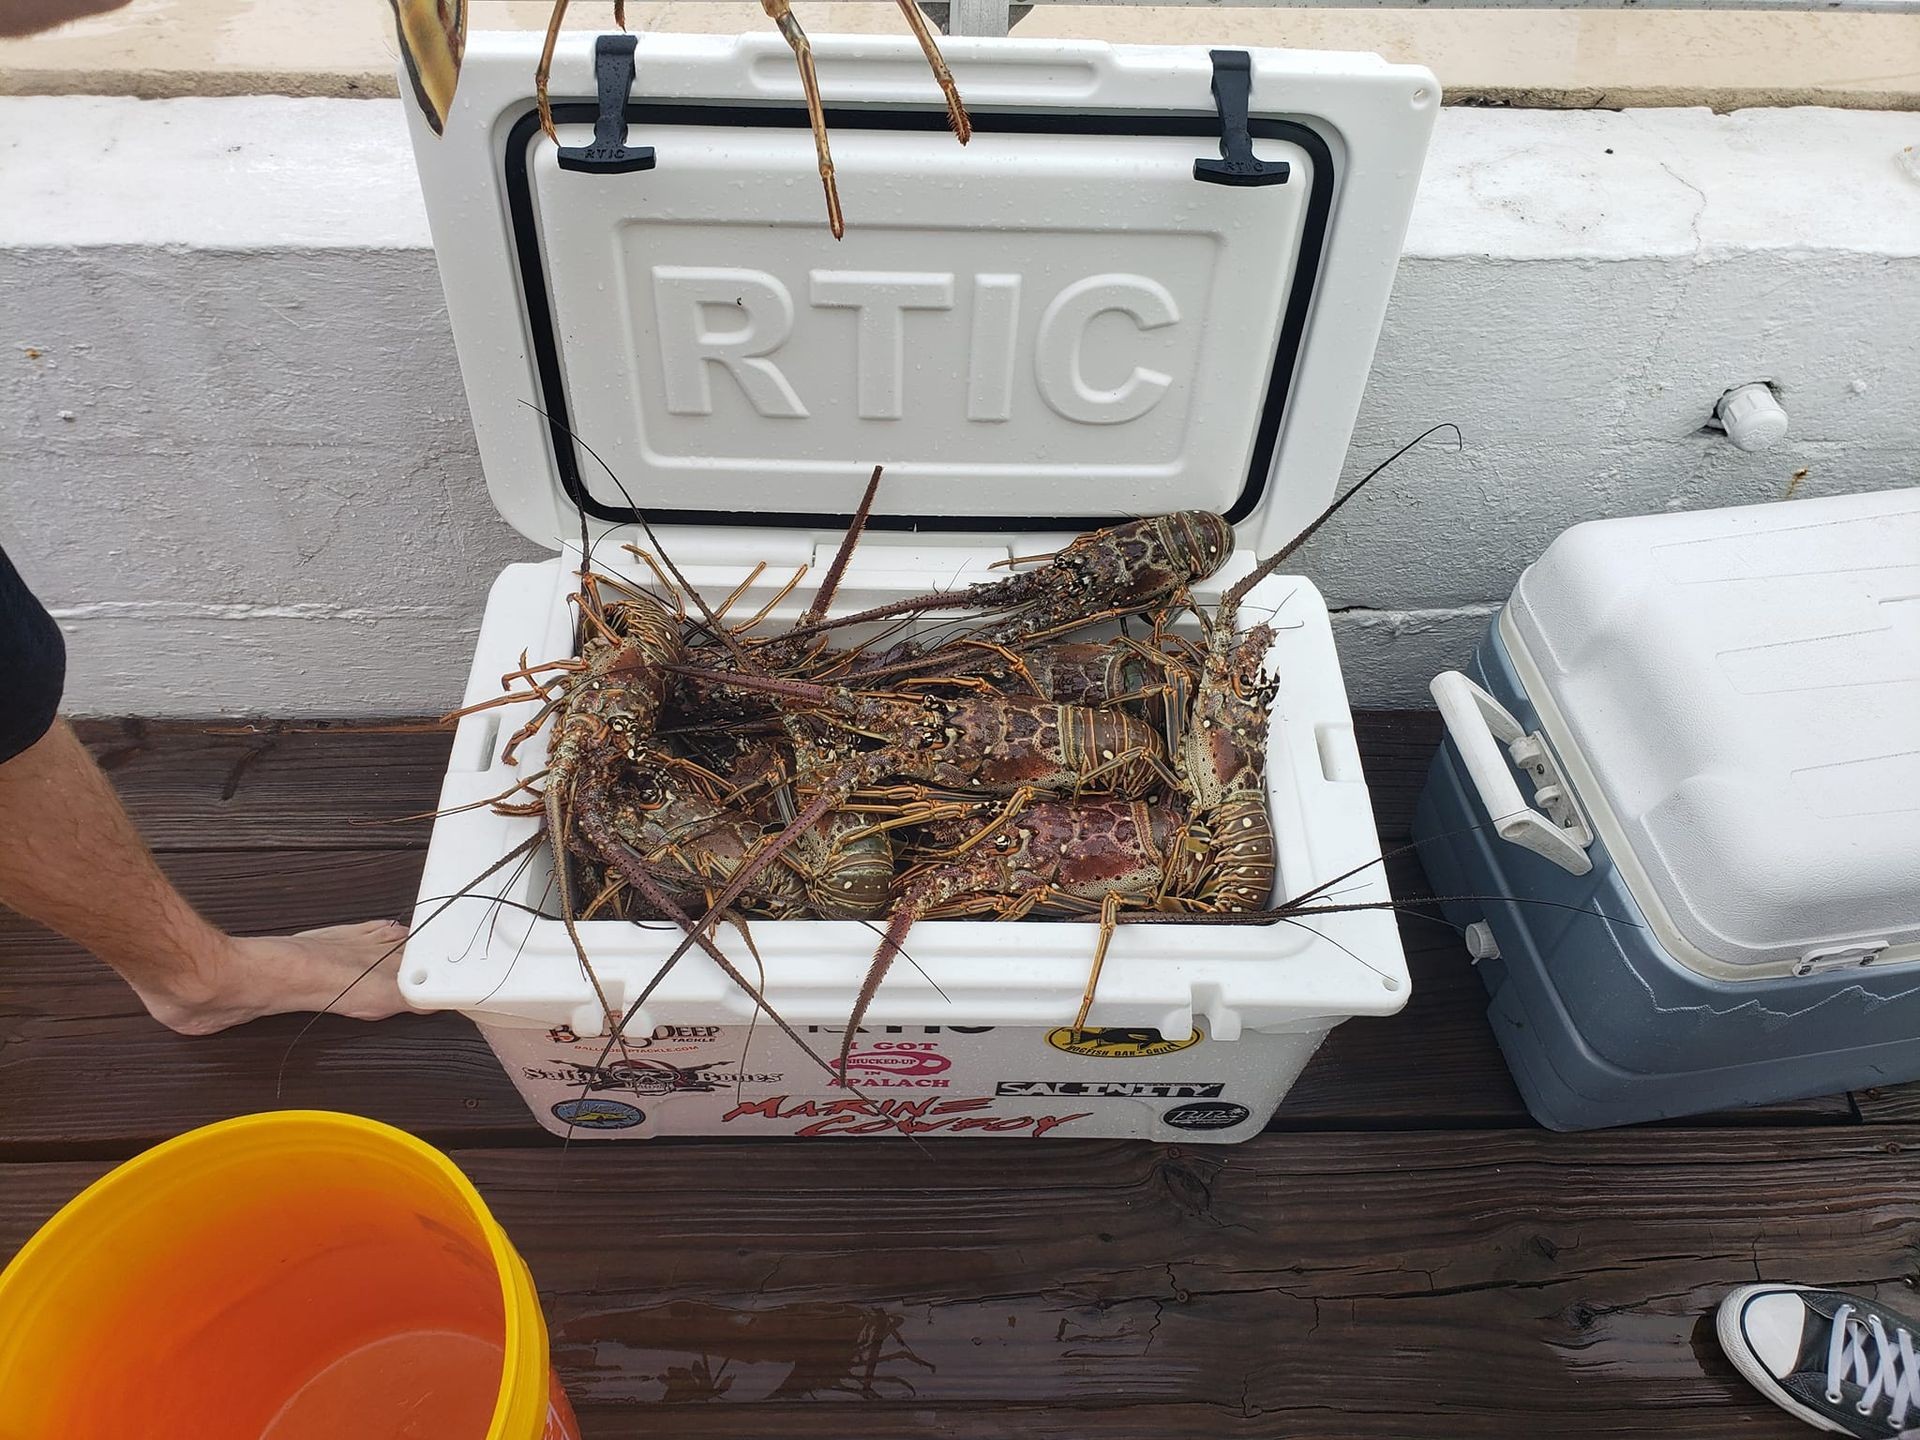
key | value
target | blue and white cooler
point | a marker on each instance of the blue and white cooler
(1678, 810)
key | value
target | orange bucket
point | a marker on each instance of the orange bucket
(298, 1275)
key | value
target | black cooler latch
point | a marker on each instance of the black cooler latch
(609, 154)
(1237, 165)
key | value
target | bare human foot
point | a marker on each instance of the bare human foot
(350, 970)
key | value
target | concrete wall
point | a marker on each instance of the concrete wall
(235, 455)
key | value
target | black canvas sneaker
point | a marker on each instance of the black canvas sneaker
(1838, 1361)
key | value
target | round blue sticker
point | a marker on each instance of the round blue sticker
(599, 1114)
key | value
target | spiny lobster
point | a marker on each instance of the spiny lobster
(1106, 573)
(607, 704)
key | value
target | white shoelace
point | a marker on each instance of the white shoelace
(1893, 1375)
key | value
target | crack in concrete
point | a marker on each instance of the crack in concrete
(1698, 214)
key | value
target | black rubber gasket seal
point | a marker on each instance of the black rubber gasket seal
(539, 307)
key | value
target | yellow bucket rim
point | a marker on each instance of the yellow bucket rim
(519, 1409)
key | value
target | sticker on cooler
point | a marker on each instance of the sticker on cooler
(648, 1077)
(1117, 1043)
(894, 1063)
(1207, 1116)
(599, 1114)
(1114, 1089)
(661, 1037)
(915, 1080)
(954, 1115)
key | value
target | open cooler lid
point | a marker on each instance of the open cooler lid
(1050, 328)
(1736, 695)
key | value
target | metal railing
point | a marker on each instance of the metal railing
(996, 17)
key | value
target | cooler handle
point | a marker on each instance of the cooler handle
(1476, 720)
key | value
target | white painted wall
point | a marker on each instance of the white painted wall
(235, 455)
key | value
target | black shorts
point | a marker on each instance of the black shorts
(33, 664)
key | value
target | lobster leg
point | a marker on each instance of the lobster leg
(526, 732)
(956, 108)
(1109, 917)
(608, 893)
(752, 622)
(781, 13)
(515, 698)
(544, 70)
(900, 806)
(720, 610)
(1115, 763)
(563, 881)
(526, 671)
(1015, 662)
(622, 859)
(1016, 802)
(751, 868)
(660, 578)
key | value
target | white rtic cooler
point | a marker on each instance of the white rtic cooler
(1060, 325)
(1716, 869)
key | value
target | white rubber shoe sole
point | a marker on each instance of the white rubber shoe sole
(1733, 1344)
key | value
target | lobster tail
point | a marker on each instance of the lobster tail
(1241, 868)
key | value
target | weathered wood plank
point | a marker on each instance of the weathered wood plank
(1396, 747)
(70, 1032)
(1464, 1284)
(69, 1027)
(295, 787)
(1433, 1063)
(1574, 1269)
(67, 1023)
(1889, 1104)
(1739, 1418)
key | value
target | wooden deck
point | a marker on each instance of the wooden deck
(1403, 1254)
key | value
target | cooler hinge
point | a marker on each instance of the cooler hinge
(1840, 957)
(1550, 789)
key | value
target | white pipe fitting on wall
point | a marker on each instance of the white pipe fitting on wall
(1751, 416)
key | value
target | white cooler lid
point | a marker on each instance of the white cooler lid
(1052, 327)
(1736, 694)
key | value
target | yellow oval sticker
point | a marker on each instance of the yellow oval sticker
(1117, 1042)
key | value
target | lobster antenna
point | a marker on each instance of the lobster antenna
(823, 597)
(719, 630)
(1266, 567)
(586, 545)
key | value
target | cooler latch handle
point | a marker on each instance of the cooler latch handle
(1480, 725)
(1232, 92)
(609, 154)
